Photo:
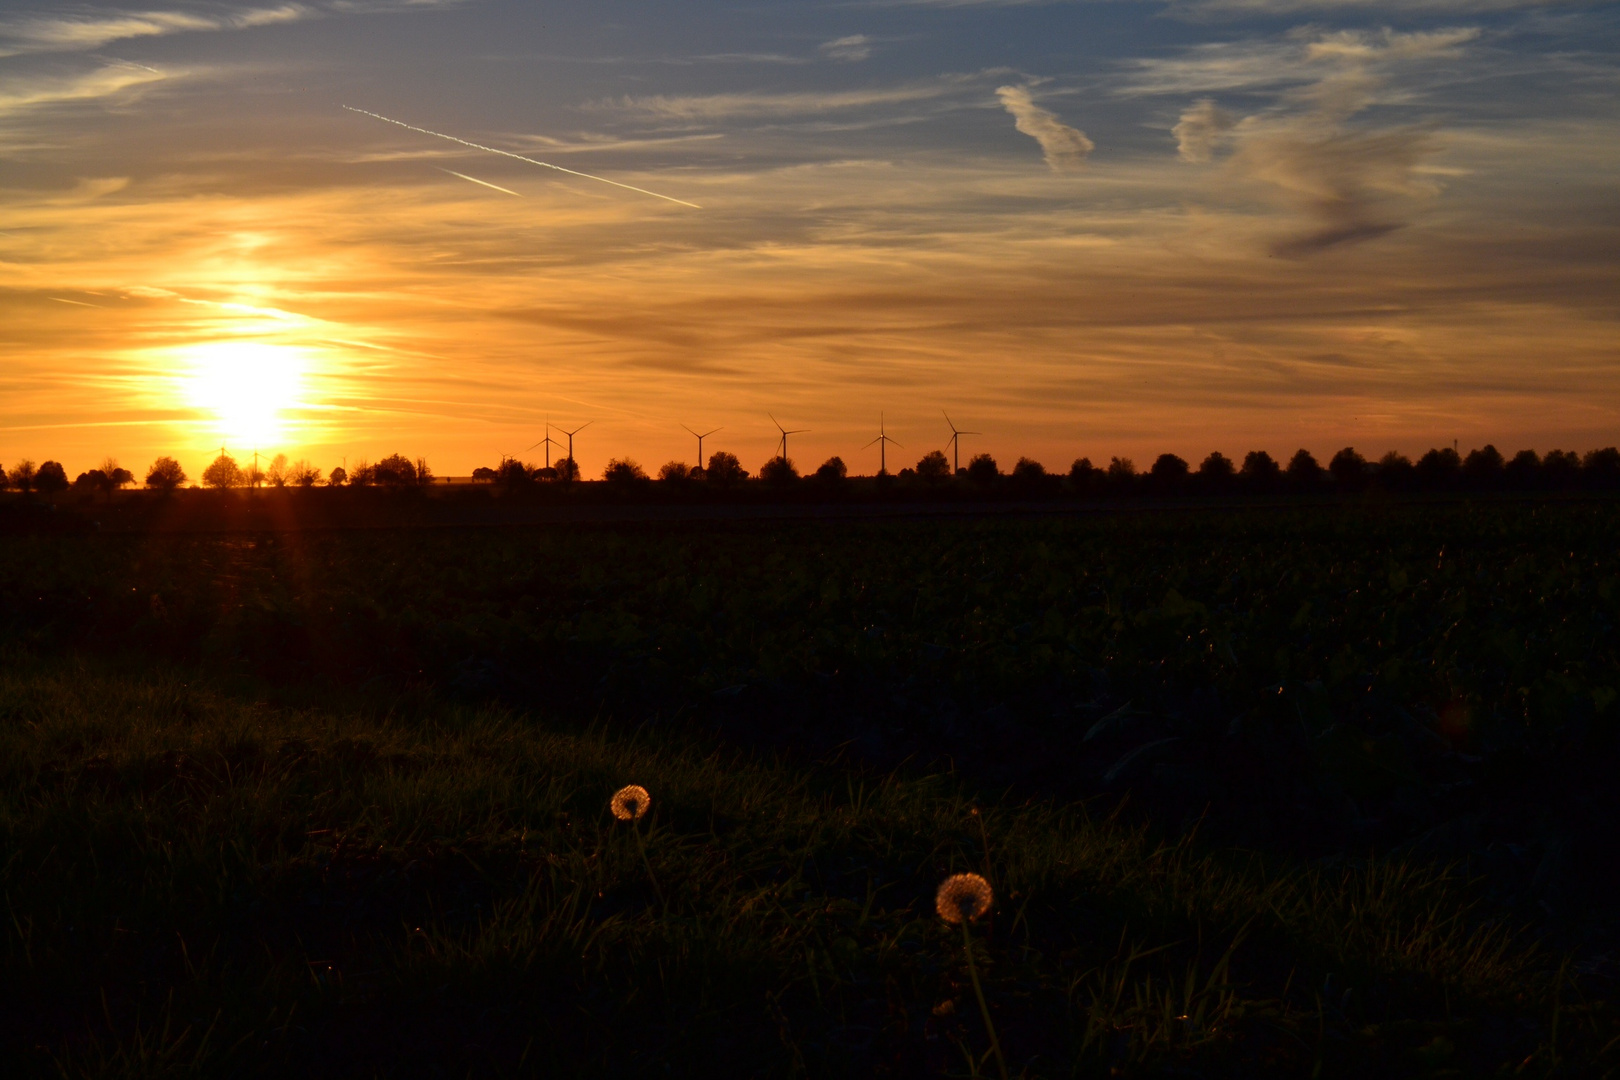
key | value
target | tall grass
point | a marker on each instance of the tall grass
(197, 883)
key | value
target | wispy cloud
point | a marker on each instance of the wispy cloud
(849, 49)
(78, 33)
(1064, 147)
(711, 107)
(1408, 7)
(28, 91)
(1199, 127)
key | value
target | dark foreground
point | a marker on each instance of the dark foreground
(335, 803)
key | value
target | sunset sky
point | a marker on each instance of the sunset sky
(1100, 228)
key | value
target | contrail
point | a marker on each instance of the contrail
(79, 303)
(520, 157)
(485, 183)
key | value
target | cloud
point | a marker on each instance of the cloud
(76, 33)
(1199, 127)
(732, 106)
(849, 49)
(1434, 7)
(22, 92)
(1064, 147)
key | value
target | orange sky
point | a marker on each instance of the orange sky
(200, 247)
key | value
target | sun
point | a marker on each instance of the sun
(250, 387)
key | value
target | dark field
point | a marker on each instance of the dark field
(1323, 791)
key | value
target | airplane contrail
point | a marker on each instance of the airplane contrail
(520, 157)
(485, 183)
(79, 303)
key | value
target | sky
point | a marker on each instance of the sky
(1087, 228)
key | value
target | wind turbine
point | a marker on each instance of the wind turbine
(700, 439)
(883, 442)
(547, 443)
(573, 467)
(785, 433)
(955, 442)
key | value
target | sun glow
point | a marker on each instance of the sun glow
(250, 387)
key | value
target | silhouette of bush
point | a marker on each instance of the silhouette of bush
(832, 471)
(908, 475)
(1260, 470)
(1303, 471)
(983, 470)
(675, 472)
(1439, 469)
(1169, 472)
(779, 470)
(22, 476)
(222, 472)
(934, 468)
(302, 474)
(514, 473)
(623, 471)
(1348, 469)
(339, 476)
(724, 469)
(1484, 467)
(51, 478)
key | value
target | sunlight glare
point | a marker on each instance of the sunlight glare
(248, 386)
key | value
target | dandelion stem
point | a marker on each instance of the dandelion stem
(635, 827)
(978, 992)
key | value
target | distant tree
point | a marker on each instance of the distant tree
(424, 475)
(1601, 468)
(484, 475)
(338, 477)
(1561, 468)
(675, 472)
(363, 474)
(907, 475)
(394, 471)
(544, 472)
(565, 469)
(1484, 467)
(1439, 468)
(623, 471)
(1393, 471)
(1121, 471)
(165, 474)
(832, 471)
(223, 472)
(22, 476)
(92, 481)
(276, 474)
(1216, 471)
(303, 474)
(934, 468)
(117, 476)
(982, 469)
(1303, 471)
(51, 478)
(1169, 471)
(1348, 469)
(1524, 471)
(724, 469)
(5, 480)
(252, 475)
(1084, 476)
(514, 473)
(1259, 469)
(1028, 470)
(778, 470)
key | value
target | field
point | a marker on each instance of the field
(1314, 791)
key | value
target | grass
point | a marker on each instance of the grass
(199, 882)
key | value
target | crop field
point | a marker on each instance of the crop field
(1321, 791)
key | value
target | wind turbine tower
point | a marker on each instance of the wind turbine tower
(882, 442)
(956, 442)
(547, 442)
(785, 433)
(700, 439)
(573, 466)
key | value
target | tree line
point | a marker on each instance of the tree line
(1442, 469)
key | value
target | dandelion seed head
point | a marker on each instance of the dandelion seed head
(962, 898)
(629, 803)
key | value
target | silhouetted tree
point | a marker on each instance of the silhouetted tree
(1215, 472)
(165, 474)
(1169, 472)
(51, 478)
(1524, 471)
(1029, 475)
(1484, 467)
(778, 470)
(514, 473)
(222, 472)
(832, 471)
(92, 480)
(724, 469)
(1561, 468)
(1601, 468)
(277, 472)
(363, 474)
(424, 475)
(982, 469)
(394, 471)
(339, 476)
(1439, 468)
(565, 469)
(1394, 471)
(484, 475)
(1303, 471)
(1260, 470)
(623, 471)
(1348, 469)
(1121, 471)
(303, 474)
(22, 476)
(1084, 476)
(934, 467)
(117, 476)
(675, 472)
(5, 479)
